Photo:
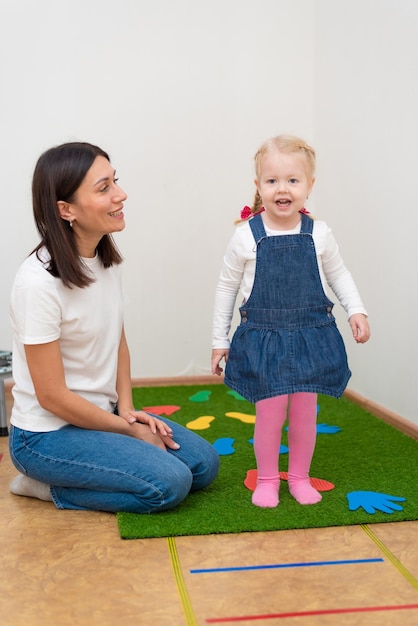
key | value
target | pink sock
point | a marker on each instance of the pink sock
(270, 417)
(302, 440)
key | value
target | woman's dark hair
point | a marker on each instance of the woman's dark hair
(58, 174)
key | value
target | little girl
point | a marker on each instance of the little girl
(287, 348)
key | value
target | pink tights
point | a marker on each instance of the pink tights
(270, 417)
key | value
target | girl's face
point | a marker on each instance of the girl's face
(284, 185)
(97, 209)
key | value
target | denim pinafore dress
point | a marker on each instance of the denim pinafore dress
(287, 340)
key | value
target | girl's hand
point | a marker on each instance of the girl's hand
(360, 327)
(153, 430)
(217, 355)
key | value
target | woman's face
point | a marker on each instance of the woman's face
(97, 208)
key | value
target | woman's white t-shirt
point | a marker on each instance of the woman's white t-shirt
(88, 323)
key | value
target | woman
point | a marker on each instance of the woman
(75, 436)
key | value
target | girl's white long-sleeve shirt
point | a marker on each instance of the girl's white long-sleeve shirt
(238, 270)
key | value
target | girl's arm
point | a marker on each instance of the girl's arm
(342, 283)
(360, 327)
(238, 252)
(225, 297)
(217, 355)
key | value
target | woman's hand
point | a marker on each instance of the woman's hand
(360, 327)
(149, 428)
(217, 355)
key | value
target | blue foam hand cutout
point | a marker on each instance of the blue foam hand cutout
(372, 501)
(326, 429)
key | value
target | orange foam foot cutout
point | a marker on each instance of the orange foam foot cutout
(317, 483)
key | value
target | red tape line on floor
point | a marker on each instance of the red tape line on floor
(365, 609)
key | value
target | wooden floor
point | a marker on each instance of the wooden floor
(65, 568)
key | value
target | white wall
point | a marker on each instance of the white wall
(181, 93)
(366, 132)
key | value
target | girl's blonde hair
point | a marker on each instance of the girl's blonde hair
(288, 144)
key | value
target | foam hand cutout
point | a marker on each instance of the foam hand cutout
(372, 501)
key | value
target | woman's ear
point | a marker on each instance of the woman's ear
(64, 210)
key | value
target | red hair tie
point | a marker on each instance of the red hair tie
(247, 212)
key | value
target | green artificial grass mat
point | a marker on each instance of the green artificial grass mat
(355, 451)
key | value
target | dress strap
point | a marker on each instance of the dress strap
(259, 232)
(307, 224)
(257, 227)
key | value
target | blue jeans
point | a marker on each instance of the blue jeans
(101, 471)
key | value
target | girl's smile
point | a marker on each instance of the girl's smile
(284, 185)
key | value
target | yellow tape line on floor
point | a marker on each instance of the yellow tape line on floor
(401, 568)
(181, 587)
